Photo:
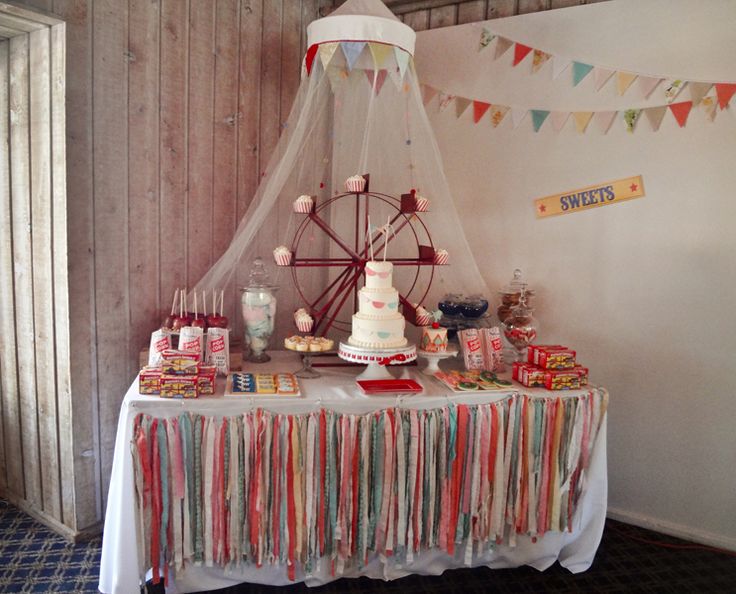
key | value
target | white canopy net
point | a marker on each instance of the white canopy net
(358, 110)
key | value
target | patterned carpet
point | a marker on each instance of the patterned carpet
(630, 559)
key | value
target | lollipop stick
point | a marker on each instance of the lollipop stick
(385, 241)
(204, 302)
(173, 303)
(181, 304)
(195, 304)
(370, 236)
(222, 297)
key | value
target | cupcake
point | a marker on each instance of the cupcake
(282, 255)
(421, 204)
(423, 316)
(303, 320)
(441, 257)
(303, 204)
(355, 183)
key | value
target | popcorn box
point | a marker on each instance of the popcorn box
(206, 380)
(179, 386)
(218, 349)
(492, 357)
(556, 358)
(472, 348)
(160, 342)
(179, 362)
(568, 379)
(149, 381)
(191, 339)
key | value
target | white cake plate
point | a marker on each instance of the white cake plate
(434, 358)
(377, 360)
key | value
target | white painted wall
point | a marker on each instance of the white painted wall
(645, 289)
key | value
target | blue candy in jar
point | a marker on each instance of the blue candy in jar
(450, 305)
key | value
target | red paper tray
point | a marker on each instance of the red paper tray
(392, 386)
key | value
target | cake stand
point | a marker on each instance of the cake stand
(434, 358)
(376, 360)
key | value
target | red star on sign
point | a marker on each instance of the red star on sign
(542, 208)
(633, 187)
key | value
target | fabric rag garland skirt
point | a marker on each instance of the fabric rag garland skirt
(334, 488)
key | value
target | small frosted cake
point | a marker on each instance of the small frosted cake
(378, 323)
(434, 338)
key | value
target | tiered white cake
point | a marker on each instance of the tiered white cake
(378, 323)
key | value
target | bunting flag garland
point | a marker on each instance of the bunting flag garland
(352, 51)
(579, 72)
(380, 53)
(380, 78)
(311, 53)
(326, 52)
(624, 79)
(604, 118)
(327, 490)
(725, 91)
(681, 111)
(698, 90)
(402, 60)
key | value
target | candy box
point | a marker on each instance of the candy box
(179, 362)
(533, 351)
(556, 358)
(179, 386)
(149, 380)
(582, 374)
(533, 377)
(206, 380)
(562, 380)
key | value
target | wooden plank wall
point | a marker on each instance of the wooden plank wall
(35, 400)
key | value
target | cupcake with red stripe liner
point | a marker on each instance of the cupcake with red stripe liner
(282, 255)
(303, 204)
(421, 204)
(355, 183)
(303, 320)
(441, 257)
(424, 318)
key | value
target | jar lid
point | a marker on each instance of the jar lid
(516, 285)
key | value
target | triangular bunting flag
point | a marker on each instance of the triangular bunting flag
(380, 51)
(402, 60)
(579, 72)
(539, 58)
(352, 51)
(445, 100)
(479, 110)
(631, 116)
(311, 53)
(655, 115)
(380, 78)
(604, 119)
(647, 84)
(681, 110)
(326, 52)
(520, 52)
(336, 76)
(538, 117)
(502, 44)
(498, 112)
(709, 107)
(725, 91)
(461, 104)
(582, 118)
(558, 119)
(517, 114)
(428, 94)
(601, 76)
(624, 80)
(672, 88)
(698, 90)
(485, 39)
(559, 65)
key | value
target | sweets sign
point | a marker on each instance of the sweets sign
(590, 197)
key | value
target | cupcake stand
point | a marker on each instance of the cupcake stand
(433, 359)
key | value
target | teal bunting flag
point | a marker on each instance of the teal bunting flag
(538, 117)
(579, 72)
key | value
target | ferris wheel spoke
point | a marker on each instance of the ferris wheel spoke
(324, 293)
(340, 296)
(394, 233)
(334, 236)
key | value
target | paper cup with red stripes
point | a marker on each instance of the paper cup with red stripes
(421, 204)
(303, 204)
(282, 256)
(441, 257)
(355, 183)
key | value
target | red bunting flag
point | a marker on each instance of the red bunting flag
(681, 111)
(479, 110)
(520, 52)
(725, 91)
(311, 53)
(380, 78)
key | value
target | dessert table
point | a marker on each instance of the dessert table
(526, 509)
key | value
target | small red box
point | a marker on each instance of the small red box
(149, 381)
(533, 377)
(556, 358)
(567, 379)
(206, 380)
(179, 386)
(179, 362)
(532, 352)
(582, 373)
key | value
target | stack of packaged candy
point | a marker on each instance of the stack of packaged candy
(180, 375)
(550, 366)
(481, 348)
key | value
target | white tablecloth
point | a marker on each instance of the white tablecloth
(336, 390)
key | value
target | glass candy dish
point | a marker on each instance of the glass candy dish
(520, 327)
